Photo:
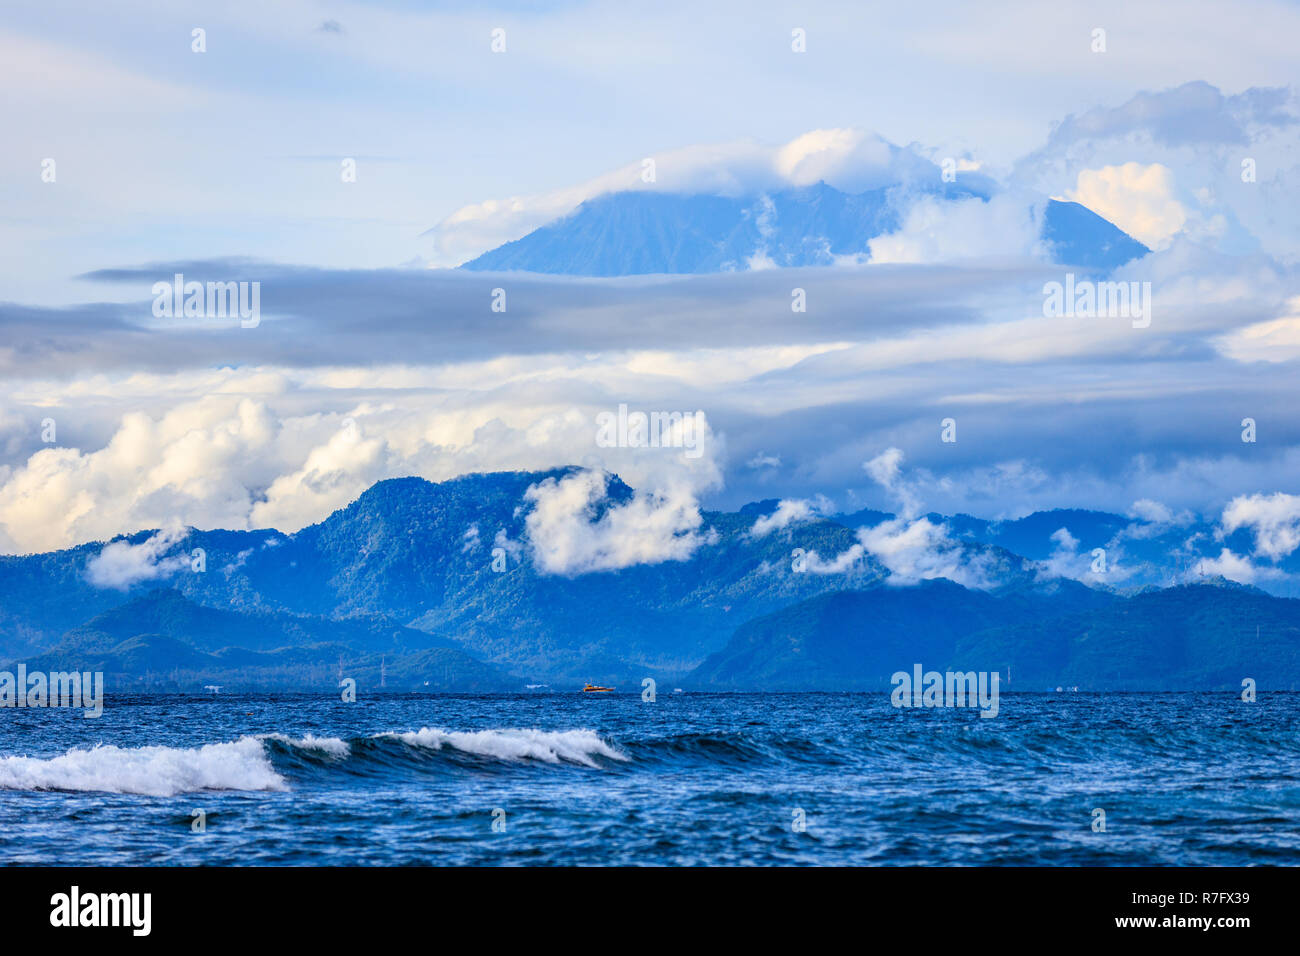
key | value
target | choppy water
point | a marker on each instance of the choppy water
(1189, 779)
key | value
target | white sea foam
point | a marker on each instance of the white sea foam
(573, 746)
(155, 771)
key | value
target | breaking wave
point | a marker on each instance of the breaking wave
(152, 771)
(268, 761)
(564, 746)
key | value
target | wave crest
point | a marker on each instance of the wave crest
(150, 771)
(568, 746)
(247, 763)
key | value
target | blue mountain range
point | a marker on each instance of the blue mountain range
(397, 588)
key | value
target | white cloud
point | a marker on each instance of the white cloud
(333, 474)
(790, 511)
(1274, 519)
(1138, 199)
(1235, 567)
(886, 470)
(470, 539)
(1186, 161)
(941, 230)
(121, 564)
(1144, 509)
(197, 463)
(848, 159)
(1152, 518)
(1277, 340)
(511, 547)
(574, 528)
(1065, 561)
(238, 463)
(919, 550)
(911, 549)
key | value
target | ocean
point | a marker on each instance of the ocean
(688, 779)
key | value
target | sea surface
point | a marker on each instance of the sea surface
(1183, 779)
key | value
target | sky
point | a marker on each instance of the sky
(374, 358)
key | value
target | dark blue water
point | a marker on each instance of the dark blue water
(1189, 779)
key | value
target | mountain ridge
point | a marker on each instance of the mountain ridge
(639, 232)
(414, 558)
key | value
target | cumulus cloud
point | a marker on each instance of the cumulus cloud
(1008, 225)
(853, 160)
(790, 511)
(198, 462)
(121, 564)
(573, 527)
(1151, 519)
(1139, 199)
(331, 476)
(1090, 567)
(910, 549)
(1235, 567)
(1188, 160)
(239, 463)
(920, 550)
(1273, 519)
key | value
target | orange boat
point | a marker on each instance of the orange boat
(596, 689)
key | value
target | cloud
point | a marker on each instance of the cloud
(573, 527)
(1192, 114)
(910, 549)
(1274, 520)
(1188, 160)
(121, 564)
(1153, 519)
(1277, 340)
(1144, 509)
(513, 548)
(151, 429)
(886, 470)
(1091, 568)
(198, 461)
(788, 512)
(853, 160)
(331, 476)
(1125, 163)
(470, 539)
(920, 550)
(849, 159)
(1235, 567)
(1139, 199)
(238, 463)
(1009, 225)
